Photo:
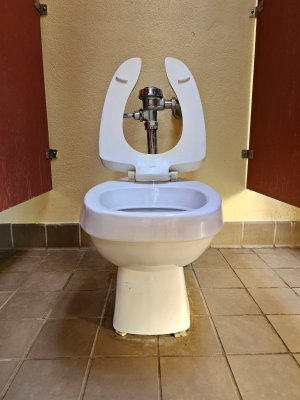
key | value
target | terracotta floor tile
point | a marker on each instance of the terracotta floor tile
(217, 278)
(265, 377)
(48, 380)
(290, 276)
(247, 334)
(79, 304)
(17, 336)
(94, 260)
(6, 369)
(29, 305)
(259, 277)
(245, 261)
(211, 261)
(281, 261)
(277, 300)
(11, 281)
(64, 260)
(194, 378)
(45, 281)
(200, 340)
(212, 250)
(65, 338)
(230, 302)
(20, 264)
(197, 305)
(127, 378)
(110, 343)
(89, 280)
(288, 328)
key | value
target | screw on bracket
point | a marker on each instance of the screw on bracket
(248, 154)
(42, 8)
(255, 11)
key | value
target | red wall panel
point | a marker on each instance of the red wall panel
(275, 117)
(24, 170)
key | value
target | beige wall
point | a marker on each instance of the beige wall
(85, 41)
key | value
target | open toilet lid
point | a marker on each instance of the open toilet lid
(116, 154)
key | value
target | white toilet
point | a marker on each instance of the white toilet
(151, 224)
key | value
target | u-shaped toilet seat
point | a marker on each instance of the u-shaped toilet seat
(116, 154)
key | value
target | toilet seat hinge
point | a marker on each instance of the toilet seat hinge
(131, 176)
(173, 176)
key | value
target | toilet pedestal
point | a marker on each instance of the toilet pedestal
(151, 301)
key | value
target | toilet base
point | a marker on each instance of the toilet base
(152, 301)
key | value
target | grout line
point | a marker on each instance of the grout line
(275, 233)
(159, 371)
(281, 278)
(243, 229)
(79, 236)
(90, 359)
(9, 297)
(11, 379)
(73, 272)
(103, 356)
(293, 289)
(12, 237)
(46, 236)
(220, 342)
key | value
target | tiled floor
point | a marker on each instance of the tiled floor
(57, 340)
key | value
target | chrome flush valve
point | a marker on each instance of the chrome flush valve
(153, 101)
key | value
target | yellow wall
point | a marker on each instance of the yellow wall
(83, 44)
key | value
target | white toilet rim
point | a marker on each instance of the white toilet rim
(121, 196)
(193, 212)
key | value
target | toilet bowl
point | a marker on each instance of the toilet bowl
(152, 224)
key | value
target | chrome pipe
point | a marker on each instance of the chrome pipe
(152, 141)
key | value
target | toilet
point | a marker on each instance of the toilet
(152, 223)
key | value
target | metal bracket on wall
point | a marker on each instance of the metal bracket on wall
(248, 154)
(42, 8)
(255, 11)
(51, 154)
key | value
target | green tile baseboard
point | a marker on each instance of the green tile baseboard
(251, 234)
(70, 235)
(39, 236)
